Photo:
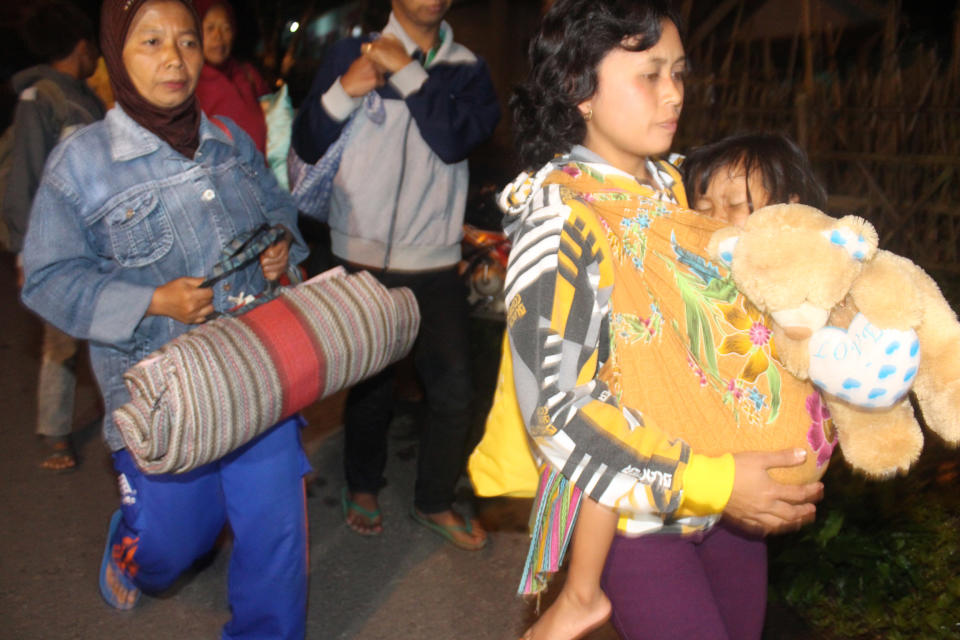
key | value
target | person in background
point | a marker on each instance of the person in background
(99, 83)
(228, 87)
(397, 210)
(54, 102)
(131, 214)
(603, 364)
(731, 178)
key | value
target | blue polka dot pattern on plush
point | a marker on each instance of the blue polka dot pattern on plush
(864, 365)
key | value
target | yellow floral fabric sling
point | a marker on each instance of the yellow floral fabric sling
(686, 349)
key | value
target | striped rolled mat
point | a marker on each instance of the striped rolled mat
(216, 387)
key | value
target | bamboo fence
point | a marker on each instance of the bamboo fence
(882, 129)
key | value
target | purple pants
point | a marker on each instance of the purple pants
(708, 586)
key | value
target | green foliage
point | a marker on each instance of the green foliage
(881, 561)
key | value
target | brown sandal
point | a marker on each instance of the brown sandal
(60, 455)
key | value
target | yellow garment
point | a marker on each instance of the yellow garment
(99, 82)
(501, 464)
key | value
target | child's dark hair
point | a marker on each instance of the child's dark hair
(783, 165)
(574, 37)
(52, 28)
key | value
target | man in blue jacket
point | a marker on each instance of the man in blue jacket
(397, 210)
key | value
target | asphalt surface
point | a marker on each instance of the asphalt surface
(404, 584)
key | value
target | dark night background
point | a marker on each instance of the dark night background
(929, 21)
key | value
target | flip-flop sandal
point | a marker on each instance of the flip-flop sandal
(376, 528)
(125, 586)
(447, 531)
(60, 456)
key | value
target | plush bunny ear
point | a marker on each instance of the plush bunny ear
(722, 244)
(855, 235)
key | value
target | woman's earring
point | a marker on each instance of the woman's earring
(588, 115)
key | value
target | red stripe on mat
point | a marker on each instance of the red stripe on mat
(293, 351)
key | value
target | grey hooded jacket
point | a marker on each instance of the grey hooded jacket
(43, 117)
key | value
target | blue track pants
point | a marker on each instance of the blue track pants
(171, 520)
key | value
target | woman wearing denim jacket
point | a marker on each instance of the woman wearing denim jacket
(132, 212)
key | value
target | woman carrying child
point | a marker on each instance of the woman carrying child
(616, 327)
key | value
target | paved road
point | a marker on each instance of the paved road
(404, 584)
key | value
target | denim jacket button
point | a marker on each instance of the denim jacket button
(208, 195)
(226, 287)
(129, 213)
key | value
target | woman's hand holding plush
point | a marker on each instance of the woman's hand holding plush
(760, 504)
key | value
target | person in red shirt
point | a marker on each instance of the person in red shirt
(228, 87)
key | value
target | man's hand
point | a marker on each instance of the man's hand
(274, 259)
(762, 505)
(362, 77)
(183, 300)
(387, 52)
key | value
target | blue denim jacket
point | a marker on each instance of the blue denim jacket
(119, 213)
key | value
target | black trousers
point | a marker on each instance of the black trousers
(442, 360)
